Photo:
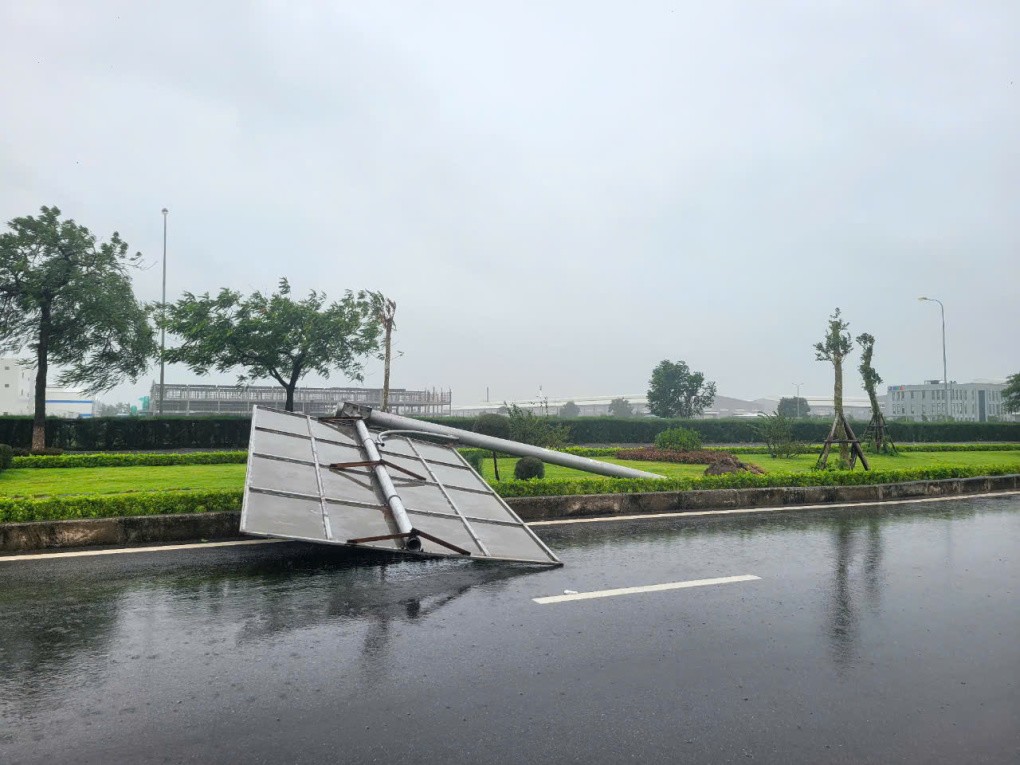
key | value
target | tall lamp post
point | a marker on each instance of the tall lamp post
(797, 386)
(162, 323)
(945, 374)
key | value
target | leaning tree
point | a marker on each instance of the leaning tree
(877, 432)
(67, 298)
(835, 347)
(274, 335)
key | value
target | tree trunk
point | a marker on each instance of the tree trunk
(42, 352)
(878, 419)
(837, 403)
(289, 405)
(386, 370)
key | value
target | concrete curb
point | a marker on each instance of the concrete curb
(190, 527)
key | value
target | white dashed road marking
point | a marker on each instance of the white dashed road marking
(645, 588)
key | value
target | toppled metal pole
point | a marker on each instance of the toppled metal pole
(394, 421)
(411, 541)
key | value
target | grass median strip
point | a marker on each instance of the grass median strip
(32, 494)
(39, 483)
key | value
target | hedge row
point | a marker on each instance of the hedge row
(19, 510)
(151, 433)
(130, 459)
(131, 433)
(601, 452)
(643, 430)
(607, 430)
(742, 480)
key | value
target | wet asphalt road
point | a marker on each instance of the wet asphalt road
(873, 635)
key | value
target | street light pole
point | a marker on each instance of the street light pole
(945, 374)
(162, 323)
(797, 386)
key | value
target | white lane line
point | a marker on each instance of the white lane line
(126, 550)
(780, 508)
(646, 588)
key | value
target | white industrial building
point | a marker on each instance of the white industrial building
(219, 400)
(17, 394)
(979, 401)
(595, 406)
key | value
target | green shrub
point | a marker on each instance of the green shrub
(528, 468)
(474, 457)
(678, 440)
(6, 457)
(776, 431)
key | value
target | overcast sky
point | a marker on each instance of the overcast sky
(555, 193)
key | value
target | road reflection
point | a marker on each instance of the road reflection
(856, 582)
(64, 629)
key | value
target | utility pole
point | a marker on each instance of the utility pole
(797, 386)
(945, 374)
(162, 323)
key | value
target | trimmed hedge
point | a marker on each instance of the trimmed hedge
(131, 459)
(20, 510)
(153, 433)
(742, 480)
(609, 430)
(744, 430)
(132, 433)
(6, 457)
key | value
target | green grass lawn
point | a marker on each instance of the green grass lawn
(42, 482)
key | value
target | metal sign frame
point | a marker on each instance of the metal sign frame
(409, 495)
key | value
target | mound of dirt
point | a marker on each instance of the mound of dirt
(731, 464)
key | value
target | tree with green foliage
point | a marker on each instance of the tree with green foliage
(835, 347)
(676, 391)
(274, 335)
(794, 407)
(570, 409)
(621, 407)
(67, 298)
(871, 379)
(1011, 393)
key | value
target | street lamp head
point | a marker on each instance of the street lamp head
(924, 298)
(165, 211)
